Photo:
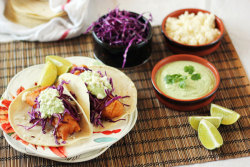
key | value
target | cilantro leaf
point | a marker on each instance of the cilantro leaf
(184, 77)
(182, 84)
(175, 78)
(189, 69)
(196, 76)
(169, 79)
(180, 79)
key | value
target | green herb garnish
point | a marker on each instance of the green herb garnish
(196, 76)
(189, 69)
(171, 79)
(182, 84)
(178, 78)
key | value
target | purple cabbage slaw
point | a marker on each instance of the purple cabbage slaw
(35, 114)
(81, 69)
(98, 105)
(121, 28)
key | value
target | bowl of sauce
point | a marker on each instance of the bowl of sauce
(185, 82)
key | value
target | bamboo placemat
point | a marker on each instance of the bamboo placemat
(161, 137)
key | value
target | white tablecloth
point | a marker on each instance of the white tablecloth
(236, 17)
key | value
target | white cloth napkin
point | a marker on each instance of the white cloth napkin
(81, 13)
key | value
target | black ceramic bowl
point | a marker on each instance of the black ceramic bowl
(113, 55)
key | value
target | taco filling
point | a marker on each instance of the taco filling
(105, 105)
(51, 108)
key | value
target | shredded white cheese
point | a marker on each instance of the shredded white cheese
(192, 29)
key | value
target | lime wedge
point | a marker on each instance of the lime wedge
(61, 64)
(209, 135)
(48, 75)
(195, 120)
(228, 116)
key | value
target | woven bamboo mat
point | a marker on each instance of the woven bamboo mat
(161, 137)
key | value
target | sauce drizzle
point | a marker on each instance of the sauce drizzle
(109, 132)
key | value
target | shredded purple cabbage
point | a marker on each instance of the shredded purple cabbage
(35, 114)
(121, 28)
(98, 105)
(110, 120)
(72, 94)
(81, 69)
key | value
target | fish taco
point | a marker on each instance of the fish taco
(51, 116)
(112, 94)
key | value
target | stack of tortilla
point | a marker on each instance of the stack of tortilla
(30, 13)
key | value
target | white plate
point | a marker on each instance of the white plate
(79, 158)
(84, 150)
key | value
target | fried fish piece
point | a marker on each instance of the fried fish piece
(32, 95)
(66, 127)
(115, 109)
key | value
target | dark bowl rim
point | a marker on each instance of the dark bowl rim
(150, 34)
(204, 97)
(217, 19)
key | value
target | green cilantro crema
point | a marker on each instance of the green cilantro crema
(96, 83)
(50, 103)
(185, 79)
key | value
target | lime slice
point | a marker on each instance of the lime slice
(49, 74)
(195, 120)
(61, 64)
(209, 135)
(228, 116)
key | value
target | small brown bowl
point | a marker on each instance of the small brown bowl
(185, 104)
(199, 50)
